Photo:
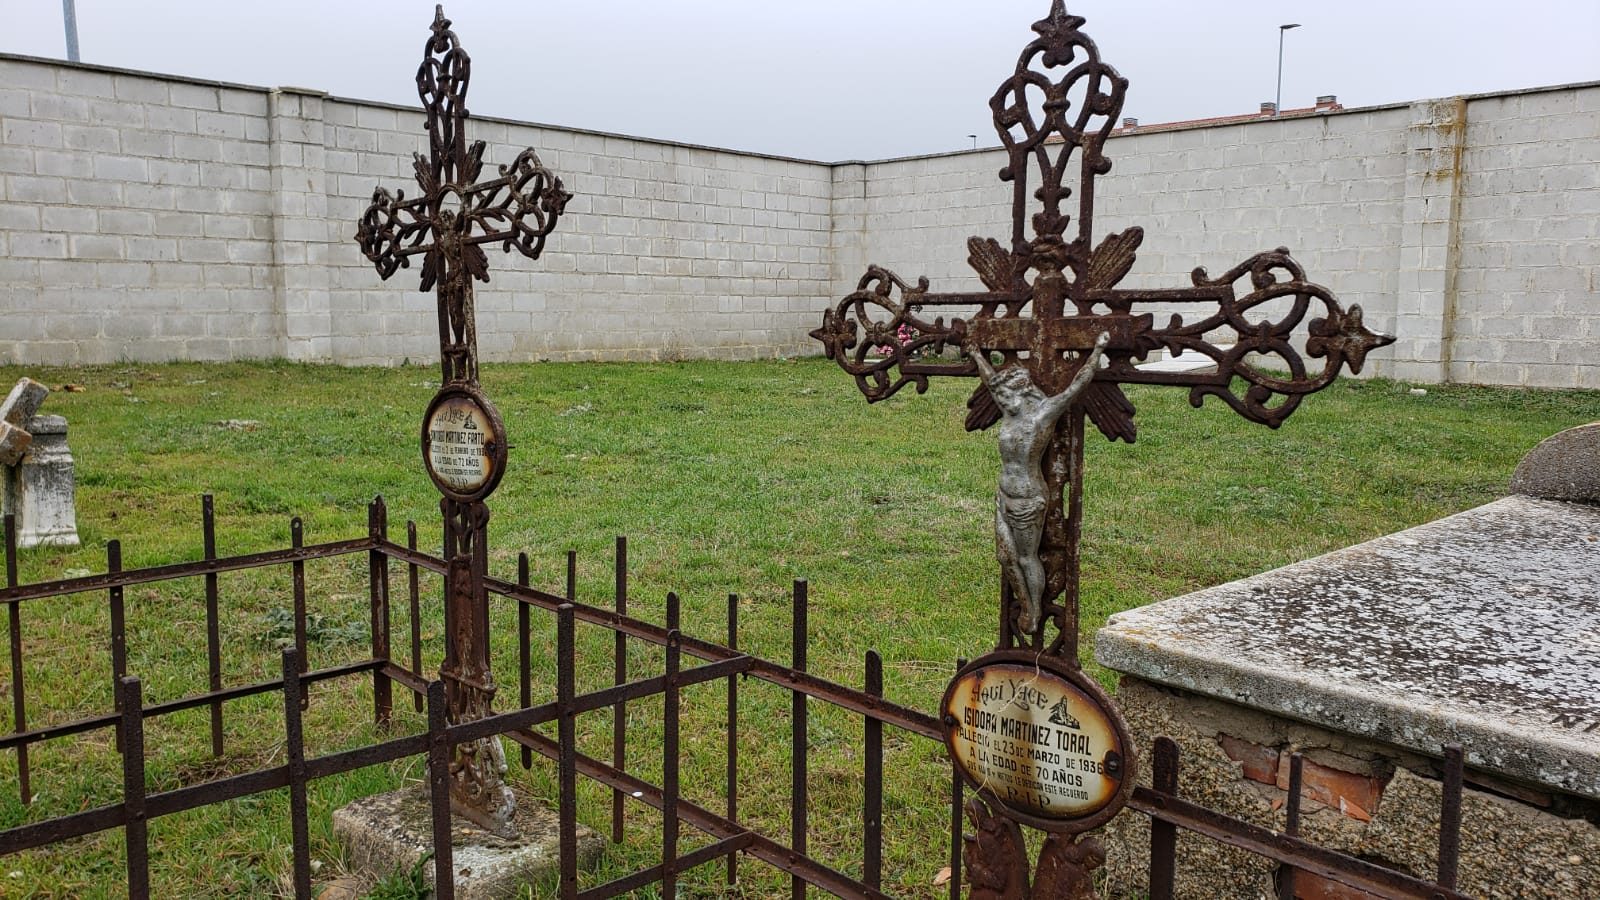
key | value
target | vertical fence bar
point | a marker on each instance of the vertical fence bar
(297, 539)
(733, 734)
(872, 805)
(295, 751)
(1291, 823)
(208, 524)
(444, 867)
(619, 710)
(957, 799)
(135, 828)
(798, 739)
(119, 629)
(1164, 835)
(669, 769)
(378, 584)
(1450, 817)
(19, 706)
(567, 735)
(524, 652)
(572, 576)
(415, 597)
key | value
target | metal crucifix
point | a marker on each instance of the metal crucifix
(463, 437)
(1053, 340)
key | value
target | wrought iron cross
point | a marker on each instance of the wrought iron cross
(463, 436)
(1046, 325)
(1053, 339)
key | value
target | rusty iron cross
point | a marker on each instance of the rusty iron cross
(1054, 339)
(463, 436)
(518, 209)
(1062, 102)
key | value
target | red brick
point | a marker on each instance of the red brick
(1314, 887)
(1326, 785)
(1257, 762)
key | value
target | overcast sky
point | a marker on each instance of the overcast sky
(830, 79)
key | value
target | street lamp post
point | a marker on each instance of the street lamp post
(1277, 104)
(69, 16)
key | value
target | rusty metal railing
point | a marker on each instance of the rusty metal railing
(728, 836)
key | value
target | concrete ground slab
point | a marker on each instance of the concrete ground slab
(391, 832)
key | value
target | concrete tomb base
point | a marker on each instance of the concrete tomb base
(1481, 629)
(391, 832)
(1362, 797)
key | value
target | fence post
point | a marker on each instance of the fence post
(295, 750)
(957, 801)
(208, 525)
(524, 653)
(872, 806)
(297, 540)
(619, 711)
(1164, 835)
(1450, 817)
(415, 596)
(378, 584)
(733, 734)
(799, 745)
(135, 828)
(119, 628)
(444, 868)
(566, 688)
(669, 769)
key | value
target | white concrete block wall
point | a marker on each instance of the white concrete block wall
(136, 217)
(152, 217)
(665, 251)
(1330, 188)
(1527, 309)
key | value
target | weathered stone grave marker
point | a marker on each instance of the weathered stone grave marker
(1039, 741)
(503, 843)
(40, 486)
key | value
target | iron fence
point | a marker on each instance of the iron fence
(727, 836)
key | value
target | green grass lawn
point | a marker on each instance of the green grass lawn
(726, 478)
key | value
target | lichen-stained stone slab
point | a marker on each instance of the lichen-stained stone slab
(1482, 628)
(1565, 466)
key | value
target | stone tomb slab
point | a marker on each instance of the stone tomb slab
(1481, 629)
(391, 832)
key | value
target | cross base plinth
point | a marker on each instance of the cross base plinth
(391, 832)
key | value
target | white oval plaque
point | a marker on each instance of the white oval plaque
(462, 445)
(1033, 740)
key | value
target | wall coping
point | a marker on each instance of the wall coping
(1143, 129)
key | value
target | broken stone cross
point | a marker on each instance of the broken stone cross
(39, 487)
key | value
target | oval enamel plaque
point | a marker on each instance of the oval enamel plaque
(463, 444)
(1041, 743)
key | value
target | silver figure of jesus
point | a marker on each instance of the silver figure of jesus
(1027, 423)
